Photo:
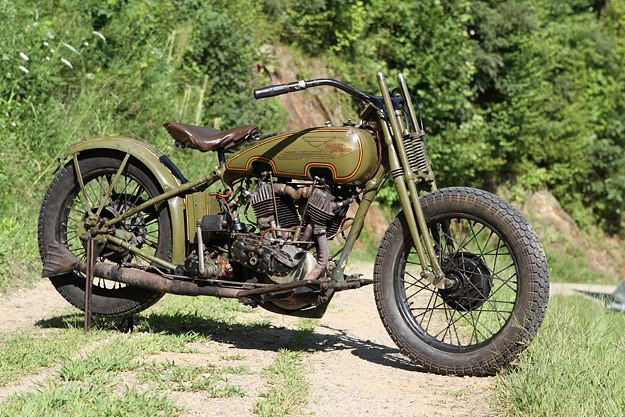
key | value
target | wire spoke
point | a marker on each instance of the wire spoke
(481, 302)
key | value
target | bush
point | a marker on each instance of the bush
(90, 68)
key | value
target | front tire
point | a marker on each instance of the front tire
(500, 291)
(65, 208)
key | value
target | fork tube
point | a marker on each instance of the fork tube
(402, 192)
(410, 182)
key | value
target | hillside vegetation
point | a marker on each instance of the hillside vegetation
(524, 95)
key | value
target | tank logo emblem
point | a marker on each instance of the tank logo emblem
(338, 148)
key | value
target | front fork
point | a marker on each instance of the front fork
(405, 181)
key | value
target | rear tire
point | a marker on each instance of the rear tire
(61, 214)
(500, 297)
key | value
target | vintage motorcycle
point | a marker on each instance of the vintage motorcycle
(460, 278)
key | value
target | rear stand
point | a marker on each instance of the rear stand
(91, 255)
(93, 251)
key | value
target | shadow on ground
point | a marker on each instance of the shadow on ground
(256, 336)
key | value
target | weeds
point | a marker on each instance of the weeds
(191, 378)
(89, 373)
(91, 400)
(574, 367)
(286, 377)
(68, 73)
(27, 353)
(288, 385)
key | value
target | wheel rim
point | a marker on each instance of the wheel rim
(142, 228)
(481, 302)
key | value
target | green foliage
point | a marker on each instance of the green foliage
(96, 400)
(27, 353)
(545, 80)
(104, 373)
(573, 367)
(527, 94)
(190, 378)
(90, 68)
(288, 385)
(512, 92)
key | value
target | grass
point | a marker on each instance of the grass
(286, 377)
(107, 373)
(27, 353)
(288, 385)
(84, 384)
(574, 367)
(92, 400)
(565, 266)
(191, 378)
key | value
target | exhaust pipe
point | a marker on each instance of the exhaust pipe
(59, 260)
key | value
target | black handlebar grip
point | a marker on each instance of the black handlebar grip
(278, 89)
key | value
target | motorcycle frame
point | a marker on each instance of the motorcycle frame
(405, 179)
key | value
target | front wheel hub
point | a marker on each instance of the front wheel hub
(472, 281)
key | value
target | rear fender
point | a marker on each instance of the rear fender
(155, 162)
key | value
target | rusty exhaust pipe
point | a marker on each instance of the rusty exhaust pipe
(59, 260)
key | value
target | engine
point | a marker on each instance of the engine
(275, 207)
(294, 222)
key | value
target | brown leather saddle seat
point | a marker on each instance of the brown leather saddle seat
(208, 139)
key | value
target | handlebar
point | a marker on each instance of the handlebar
(278, 89)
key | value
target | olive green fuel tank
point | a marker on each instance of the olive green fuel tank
(346, 154)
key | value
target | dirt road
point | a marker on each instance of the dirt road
(353, 367)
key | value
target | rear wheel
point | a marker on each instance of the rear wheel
(500, 284)
(63, 215)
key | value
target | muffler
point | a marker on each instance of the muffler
(59, 260)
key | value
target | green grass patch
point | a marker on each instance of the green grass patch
(307, 325)
(574, 367)
(121, 353)
(85, 384)
(286, 376)
(27, 353)
(288, 385)
(233, 357)
(95, 400)
(190, 378)
(95, 364)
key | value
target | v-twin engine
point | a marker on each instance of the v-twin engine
(275, 206)
(294, 223)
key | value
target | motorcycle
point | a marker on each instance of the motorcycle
(460, 279)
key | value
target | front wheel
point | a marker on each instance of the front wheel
(500, 284)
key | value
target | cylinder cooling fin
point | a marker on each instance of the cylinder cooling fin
(323, 210)
(321, 206)
(320, 209)
(263, 204)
